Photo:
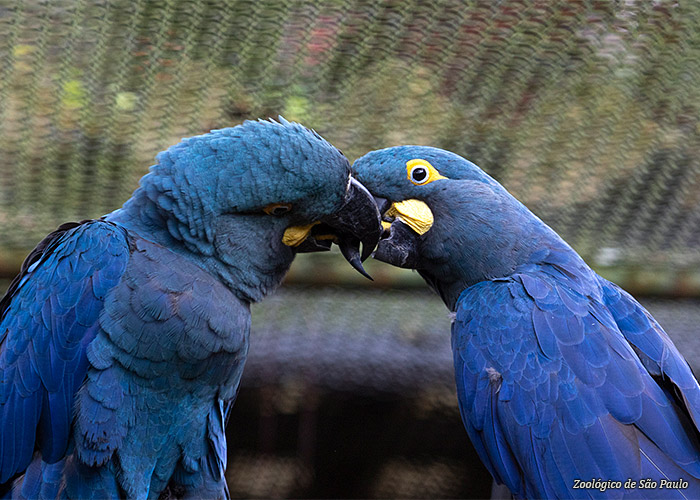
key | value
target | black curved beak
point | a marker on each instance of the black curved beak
(398, 244)
(356, 222)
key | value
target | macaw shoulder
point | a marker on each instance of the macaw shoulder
(75, 253)
(557, 287)
(548, 334)
(167, 307)
(552, 316)
(582, 365)
(573, 338)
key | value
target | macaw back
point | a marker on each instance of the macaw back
(562, 378)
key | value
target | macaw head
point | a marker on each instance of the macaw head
(445, 217)
(246, 199)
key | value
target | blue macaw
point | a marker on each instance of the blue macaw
(123, 339)
(567, 386)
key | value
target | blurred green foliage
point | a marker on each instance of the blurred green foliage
(586, 110)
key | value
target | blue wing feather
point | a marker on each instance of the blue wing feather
(47, 318)
(594, 389)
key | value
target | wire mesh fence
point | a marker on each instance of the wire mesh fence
(350, 394)
(586, 110)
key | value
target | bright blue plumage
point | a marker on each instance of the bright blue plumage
(561, 375)
(123, 340)
(51, 319)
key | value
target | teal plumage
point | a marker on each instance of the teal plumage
(123, 339)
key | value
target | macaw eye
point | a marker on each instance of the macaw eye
(418, 174)
(277, 209)
(421, 172)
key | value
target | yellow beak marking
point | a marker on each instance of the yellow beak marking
(294, 235)
(414, 213)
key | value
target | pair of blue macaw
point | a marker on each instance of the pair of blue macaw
(123, 339)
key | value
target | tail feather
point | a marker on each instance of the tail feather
(663, 473)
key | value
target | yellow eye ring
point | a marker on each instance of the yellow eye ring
(421, 172)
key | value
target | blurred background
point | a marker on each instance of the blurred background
(587, 111)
